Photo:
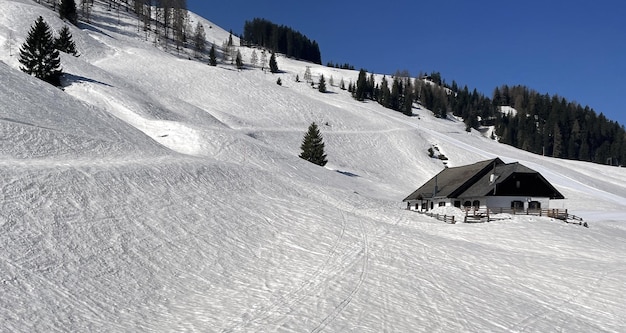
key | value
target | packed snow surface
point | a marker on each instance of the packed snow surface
(155, 193)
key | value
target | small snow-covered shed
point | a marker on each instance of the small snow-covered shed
(486, 184)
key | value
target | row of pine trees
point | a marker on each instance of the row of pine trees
(280, 39)
(543, 124)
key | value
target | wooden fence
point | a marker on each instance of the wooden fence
(480, 215)
(473, 215)
(441, 217)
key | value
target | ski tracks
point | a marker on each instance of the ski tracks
(526, 323)
(344, 254)
(362, 276)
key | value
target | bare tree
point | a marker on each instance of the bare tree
(8, 44)
(254, 58)
(263, 59)
(179, 21)
(199, 40)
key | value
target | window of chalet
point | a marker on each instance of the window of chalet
(467, 203)
(476, 203)
(457, 203)
(442, 204)
(517, 204)
(534, 205)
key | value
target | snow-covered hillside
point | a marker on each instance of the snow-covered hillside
(156, 193)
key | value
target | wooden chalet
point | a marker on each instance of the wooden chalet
(487, 184)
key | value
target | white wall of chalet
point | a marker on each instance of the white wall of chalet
(483, 202)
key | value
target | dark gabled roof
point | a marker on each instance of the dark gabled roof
(485, 185)
(505, 175)
(476, 180)
(452, 181)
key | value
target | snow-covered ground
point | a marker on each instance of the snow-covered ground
(156, 193)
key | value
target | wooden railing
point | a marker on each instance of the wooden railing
(479, 215)
(482, 215)
(441, 217)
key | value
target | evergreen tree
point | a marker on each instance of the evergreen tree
(407, 103)
(322, 84)
(38, 55)
(64, 42)
(313, 146)
(212, 57)
(238, 60)
(230, 38)
(273, 64)
(342, 84)
(281, 39)
(384, 94)
(279, 82)
(557, 141)
(361, 88)
(67, 11)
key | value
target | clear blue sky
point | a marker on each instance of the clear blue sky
(576, 49)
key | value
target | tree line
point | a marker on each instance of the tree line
(553, 126)
(542, 124)
(282, 39)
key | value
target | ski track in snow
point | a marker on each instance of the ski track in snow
(362, 276)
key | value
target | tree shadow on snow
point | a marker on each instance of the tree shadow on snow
(346, 173)
(68, 79)
(92, 27)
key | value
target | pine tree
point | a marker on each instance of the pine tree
(212, 57)
(38, 54)
(238, 60)
(322, 84)
(64, 42)
(273, 64)
(67, 10)
(361, 86)
(313, 146)
(230, 38)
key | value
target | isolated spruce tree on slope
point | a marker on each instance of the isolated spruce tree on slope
(64, 42)
(313, 146)
(67, 10)
(212, 57)
(273, 64)
(238, 61)
(38, 54)
(322, 85)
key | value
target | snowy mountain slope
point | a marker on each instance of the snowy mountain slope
(157, 193)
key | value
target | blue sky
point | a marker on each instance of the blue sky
(576, 49)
